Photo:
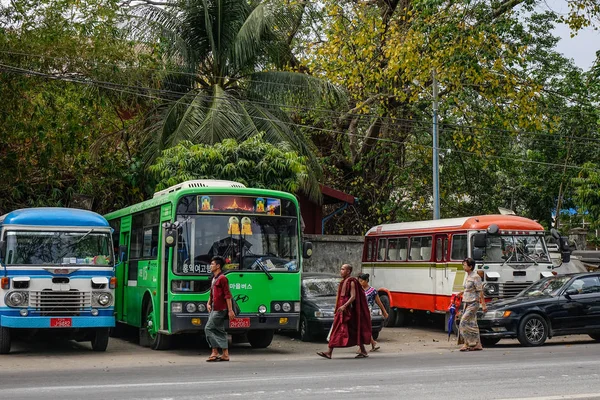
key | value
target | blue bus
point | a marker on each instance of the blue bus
(57, 274)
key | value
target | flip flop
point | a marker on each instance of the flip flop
(465, 349)
(375, 348)
(324, 355)
(476, 349)
(213, 359)
(361, 355)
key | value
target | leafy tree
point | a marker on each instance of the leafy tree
(228, 80)
(253, 162)
(587, 192)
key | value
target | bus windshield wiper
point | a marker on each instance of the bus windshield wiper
(263, 267)
(70, 246)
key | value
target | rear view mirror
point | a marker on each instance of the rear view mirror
(479, 240)
(307, 249)
(122, 253)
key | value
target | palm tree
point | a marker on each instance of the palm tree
(226, 84)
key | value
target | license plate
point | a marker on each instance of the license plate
(239, 323)
(60, 322)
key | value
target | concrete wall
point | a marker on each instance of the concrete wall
(331, 251)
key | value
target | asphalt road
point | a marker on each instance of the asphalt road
(560, 370)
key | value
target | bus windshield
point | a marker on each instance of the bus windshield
(246, 242)
(516, 249)
(58, 248)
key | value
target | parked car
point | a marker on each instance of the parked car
(556, 305)
(319, 291)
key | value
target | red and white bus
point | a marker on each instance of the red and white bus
(417, 266)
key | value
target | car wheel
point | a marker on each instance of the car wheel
(305, 333)
(595, 336)
(489, 341)
(533, 330)
(391, 319)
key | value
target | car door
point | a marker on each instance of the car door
(582, 304)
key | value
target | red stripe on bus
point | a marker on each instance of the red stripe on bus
(416, 301)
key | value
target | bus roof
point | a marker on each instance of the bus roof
(54, 216)
(504, 222)
(172, 196)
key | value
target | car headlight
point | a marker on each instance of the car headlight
(323, 314)
(287, 307)
(491, 289)
(375, 312)
(190, 307)
(17, 299)
(101, 299)
(496, 314)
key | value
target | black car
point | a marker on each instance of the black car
(319, 291)
(557, 305)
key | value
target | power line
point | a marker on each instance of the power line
(119, 88)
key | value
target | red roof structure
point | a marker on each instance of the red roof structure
(312, 213)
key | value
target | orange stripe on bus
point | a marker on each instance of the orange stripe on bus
(416, 301)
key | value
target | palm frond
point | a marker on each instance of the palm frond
(248, 39)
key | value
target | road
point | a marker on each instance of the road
(412, 364)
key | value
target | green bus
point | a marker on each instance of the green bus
(166, 244)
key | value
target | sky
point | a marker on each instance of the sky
(583, 47)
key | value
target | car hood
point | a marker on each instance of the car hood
(323, 303)
(518, 301)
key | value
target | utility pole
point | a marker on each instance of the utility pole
(436, 166)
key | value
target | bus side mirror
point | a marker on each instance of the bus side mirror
(122, 253)
(479, 240)
(170, 237)
(307, 249)
(477, 254)
(565, 256)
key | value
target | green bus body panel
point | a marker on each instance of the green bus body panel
(255, 285)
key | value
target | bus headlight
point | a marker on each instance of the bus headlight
(190, 307)
(176, 307)
(287, 307)
(17, 299)
(277, 307)
(490, 289)
(262, 309)
(201, 307)
(102, 299)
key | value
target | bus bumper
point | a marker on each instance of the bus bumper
(45, 322)
(189, 322)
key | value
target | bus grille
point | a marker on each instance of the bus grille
(49, 302)
(511, 289)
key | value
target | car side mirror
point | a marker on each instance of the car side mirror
(307, 249)
(570, 292)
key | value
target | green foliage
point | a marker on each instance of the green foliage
(252, 162)
(587, 192)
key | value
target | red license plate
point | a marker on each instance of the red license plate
(60, 322)
(239, 323)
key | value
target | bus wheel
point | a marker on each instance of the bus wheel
(391, 320)
(401, 318)
(4, 340)
(149, 337)
(100, 340)
(260, 339)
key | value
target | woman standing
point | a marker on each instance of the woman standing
(372, 298)
(471, 297)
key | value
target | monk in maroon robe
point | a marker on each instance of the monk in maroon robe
(352, 320)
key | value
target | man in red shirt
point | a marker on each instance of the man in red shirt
(219, 307)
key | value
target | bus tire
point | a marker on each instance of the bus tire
(391, 319)
(401, 318)
(156, 341)
(100, 340)
(4, 340)
(260, 339)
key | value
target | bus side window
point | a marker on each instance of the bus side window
(426, 243)
(402, 249)
(415, 248)
(459, 247)
(392, 250)
(381, 249)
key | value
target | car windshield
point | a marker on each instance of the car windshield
(516, 249)
(320, 287)
(58, 248)
(545, 287)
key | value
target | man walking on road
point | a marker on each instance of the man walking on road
(219, 307)
(352, 320)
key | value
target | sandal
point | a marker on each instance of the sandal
(223, 358)
(476, 348)
(465, 348)
(375, 348)
(361, 355)
(213, 359)
(324, 355)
